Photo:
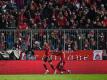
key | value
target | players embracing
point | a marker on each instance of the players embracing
(48, 58)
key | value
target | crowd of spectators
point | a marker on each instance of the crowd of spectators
(74, 24)
(53, 14)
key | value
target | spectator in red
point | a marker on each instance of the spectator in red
(104, 22)
(61, 2)
(92, 44)
(27, 39)
(86, 44)
(37, 17)
(21, 16)
(61, 20)
(23, 25)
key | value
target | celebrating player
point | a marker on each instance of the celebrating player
(61, 63)
(47, 57)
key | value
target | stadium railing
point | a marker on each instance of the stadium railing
(70, 39)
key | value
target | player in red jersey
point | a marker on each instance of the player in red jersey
(61, 63)
(47, 57)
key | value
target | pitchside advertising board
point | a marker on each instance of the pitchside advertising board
(74, 55)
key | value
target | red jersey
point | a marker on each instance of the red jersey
(105, 22)
(62, 21)
(62, 57)
(23, 26)
(47, 50)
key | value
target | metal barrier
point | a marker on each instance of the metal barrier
(70, 39)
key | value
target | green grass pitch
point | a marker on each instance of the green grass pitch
(55, 77)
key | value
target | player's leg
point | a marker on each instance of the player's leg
(46, 70)
(52, 66)
(50, 62)
(44, 64)
(57, 68)
(60, 67)
(63, 70)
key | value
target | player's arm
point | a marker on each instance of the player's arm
(54, 52)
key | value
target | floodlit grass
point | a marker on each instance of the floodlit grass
(55, 77)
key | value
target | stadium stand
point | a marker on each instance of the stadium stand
(77, 24)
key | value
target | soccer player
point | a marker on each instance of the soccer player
(61, 63)
(47, 57)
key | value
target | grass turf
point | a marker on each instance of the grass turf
(55, 77)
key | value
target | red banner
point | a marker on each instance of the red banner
(69, 55)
